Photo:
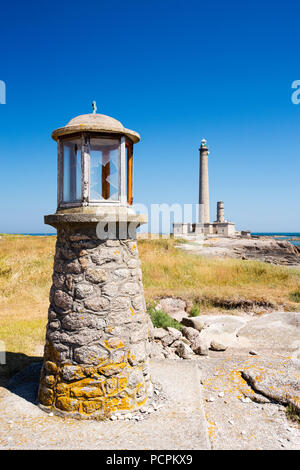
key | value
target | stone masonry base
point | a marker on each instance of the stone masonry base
(97, 340)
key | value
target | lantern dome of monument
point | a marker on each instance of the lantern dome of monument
(95, 123)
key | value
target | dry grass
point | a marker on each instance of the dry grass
(209, 281)
(25, 278)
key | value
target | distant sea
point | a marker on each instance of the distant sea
(38, 234)
(291, 237)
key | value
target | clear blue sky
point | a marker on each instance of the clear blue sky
(175, 71)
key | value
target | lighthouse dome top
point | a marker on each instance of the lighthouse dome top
(95, 123)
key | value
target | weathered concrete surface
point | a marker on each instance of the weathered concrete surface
(245, 386)
(180, 424)
(235, 419)
(238, 386)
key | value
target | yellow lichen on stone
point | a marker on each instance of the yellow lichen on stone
(50, 367)
(89, 371)
(45, 396)
(114, 385)
(51, 354)
(86, 392)
(61, 389)
(114, 343)
(89, 407)
(122, 382)
(115, 404)
(67, 404)
(112, 369)
(141, 402)
(50, 380)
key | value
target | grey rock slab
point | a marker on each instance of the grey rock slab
(159, 333)
(222, 323)
(280, 330)
(174, 332)
(224, 329)
(263, 249)
(179, 316)
(184, 351)
(216, 346)
(280, 384)
(199, 347)
(171, 305)
(190, 333)
(195, 322)
(167, 340)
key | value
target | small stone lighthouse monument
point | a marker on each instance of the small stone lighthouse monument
(97, 346)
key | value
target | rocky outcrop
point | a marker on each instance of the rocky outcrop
(217, 333)
(281, 386)
(277, 330)
(270, 251)
(196, 334)
(264, 249)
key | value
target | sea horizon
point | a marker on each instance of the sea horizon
(290, 236)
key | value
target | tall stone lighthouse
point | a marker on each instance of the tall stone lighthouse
(204, 226)
(204, 217)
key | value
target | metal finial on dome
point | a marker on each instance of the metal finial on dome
(94, 105)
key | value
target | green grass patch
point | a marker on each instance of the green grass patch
(161, 319)
(295, 296)
(195, 310)
(292, 413)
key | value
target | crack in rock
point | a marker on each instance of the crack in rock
(280, 386)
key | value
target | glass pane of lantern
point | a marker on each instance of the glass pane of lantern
(72, 171)
(113, 177)
(104, 169)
